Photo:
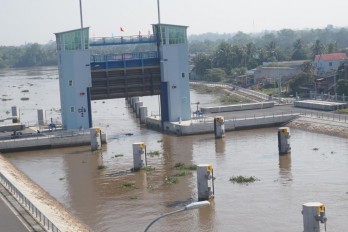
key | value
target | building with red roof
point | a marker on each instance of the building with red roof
(328, 63)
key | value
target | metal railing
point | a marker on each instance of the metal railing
(102, 41)
(28, 205)
(326, 116)
(124, 56)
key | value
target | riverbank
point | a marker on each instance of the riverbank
(321, 125)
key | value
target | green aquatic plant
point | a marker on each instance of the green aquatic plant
(243, 179)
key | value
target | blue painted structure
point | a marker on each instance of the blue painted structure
(85, 77)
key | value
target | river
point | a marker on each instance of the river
(112, 199)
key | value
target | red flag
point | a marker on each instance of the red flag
(121, 29)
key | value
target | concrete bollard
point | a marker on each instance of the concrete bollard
(313, 213)
(139, 156)
(95, 138)
(284, 140)
(219, 127)
(143, 114)
(41, 117)
(205, 182)
(135, 100)
(137, 108)
(15, 114)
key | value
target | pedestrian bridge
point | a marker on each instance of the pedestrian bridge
(125, 75)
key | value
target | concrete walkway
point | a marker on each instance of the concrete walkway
(13, 217)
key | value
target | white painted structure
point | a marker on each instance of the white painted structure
(219, 127)
(326, 63)
(175, 90)
(284, 140)
(74, 78)
(41, 117)
(139, 155)
(205, 180)
(96, 141)
(314, 218)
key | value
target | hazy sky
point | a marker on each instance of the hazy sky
(29, 21)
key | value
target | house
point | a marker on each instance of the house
(328, 63)
(272, 72)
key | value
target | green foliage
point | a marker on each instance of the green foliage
(243, 179)
(299, 80)
(215, 75)
(182, 166)
(342, 87)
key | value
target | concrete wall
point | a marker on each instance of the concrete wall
(320, 105)
(207, 126)
(274, 73)
(229, 108)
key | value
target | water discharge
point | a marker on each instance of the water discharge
(113, 199)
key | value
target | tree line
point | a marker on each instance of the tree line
(215, 54)
(228, 58)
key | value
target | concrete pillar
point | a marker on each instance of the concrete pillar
(142, 114)
(15, 114)
(95, 138)
(343, 98)
(205, 182)
(137, 108)
(41, 117)
(284, 140)
(219, 127)
(135, 100)
(139, 156)
(313, 213)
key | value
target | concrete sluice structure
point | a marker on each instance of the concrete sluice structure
(206, 124)
(43, 207)
(320, 105)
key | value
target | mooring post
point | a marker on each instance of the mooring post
(205, 182)
(143, 114)
(137, 108)
(95, 138)
(284, 140)
(139, 156)
(41, 117)
(219, 127)
(135, 100)
(313, 216)
(15, 114)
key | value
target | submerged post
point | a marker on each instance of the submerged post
(143, 114)
(95, 139)
(41, 117)
(219, 127)
(137, 108)
(135, 100)
(15, 114)
(205, 182)
(313, 213)
(139, 156)
(284, 140)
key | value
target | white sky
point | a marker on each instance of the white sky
(29, 21)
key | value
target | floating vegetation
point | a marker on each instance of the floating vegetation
(182, 166)
(62, 178)
(182, 173)
(7, 112)
(6, 99)
(100, 167)
(315, 149)
(119, 155)
(128, 185)
(133, 197)
(154, 153)
(25, 91)
(171, 180)
(243, 179)
(148, 168)
(24, 99)
(160, 141)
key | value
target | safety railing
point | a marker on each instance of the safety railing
(124, 56)
(326, 116)
(103, 41)
(28, 205)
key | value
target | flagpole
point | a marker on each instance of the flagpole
(81, 14)
(159, 21)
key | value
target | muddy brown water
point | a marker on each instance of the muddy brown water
(112, 199)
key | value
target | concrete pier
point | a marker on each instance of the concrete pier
(137, 108)
(142, 114)
(15, 114)
(41, 117)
